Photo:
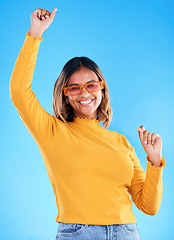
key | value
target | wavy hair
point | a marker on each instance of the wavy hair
(64, 111)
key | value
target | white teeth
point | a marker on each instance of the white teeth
(86, 102)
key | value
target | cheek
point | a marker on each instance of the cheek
(72, 99)
(98, 97)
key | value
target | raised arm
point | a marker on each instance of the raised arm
(37, 120)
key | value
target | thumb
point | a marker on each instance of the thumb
(52, 15)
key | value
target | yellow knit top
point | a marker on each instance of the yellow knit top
(92, 170)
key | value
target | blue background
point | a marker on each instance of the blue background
(133, 44)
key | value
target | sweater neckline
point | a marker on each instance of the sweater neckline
(78, 119)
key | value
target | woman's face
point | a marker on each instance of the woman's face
(85, 105)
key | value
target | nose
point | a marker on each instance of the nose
(84, 92)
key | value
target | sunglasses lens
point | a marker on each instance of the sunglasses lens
(94, 86)
(73, 90)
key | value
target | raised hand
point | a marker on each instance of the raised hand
(41, 19)
(152, 144)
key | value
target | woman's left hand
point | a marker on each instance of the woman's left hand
(152, 144)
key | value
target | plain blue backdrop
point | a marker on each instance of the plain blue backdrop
(132, 41)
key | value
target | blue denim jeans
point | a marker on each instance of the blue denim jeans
(70, 231)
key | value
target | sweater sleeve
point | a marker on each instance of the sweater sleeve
(146, 188)
(37, 120)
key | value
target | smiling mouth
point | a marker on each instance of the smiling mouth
(86, 103)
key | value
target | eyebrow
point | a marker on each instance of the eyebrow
(79, 84)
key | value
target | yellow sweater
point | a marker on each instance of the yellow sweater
(92, 170)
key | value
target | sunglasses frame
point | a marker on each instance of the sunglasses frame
(83, 86)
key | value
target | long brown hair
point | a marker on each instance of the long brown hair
(64, 111)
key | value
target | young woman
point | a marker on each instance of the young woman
(92, 170)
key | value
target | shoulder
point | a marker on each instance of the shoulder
(122, 140)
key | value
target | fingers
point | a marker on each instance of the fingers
(43, 14)
(47, 14)
(153, 137)
(146, 137)
(37, 12)
(149, 138)
(140, 132)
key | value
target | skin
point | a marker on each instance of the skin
(83, 76)
(41, 19)
(152, 144)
